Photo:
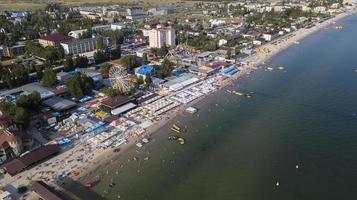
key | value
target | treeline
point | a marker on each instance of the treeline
(278, 19)
(51, 54)
(21, 111)
(202, 42)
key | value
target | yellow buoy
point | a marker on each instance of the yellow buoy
(181, 141)
(277, 184)
(296, 166)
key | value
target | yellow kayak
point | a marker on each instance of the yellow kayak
(177, 131)
(181, 141)
(176, 127)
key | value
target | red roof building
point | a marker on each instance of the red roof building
(54, 40)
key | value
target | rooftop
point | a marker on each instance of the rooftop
(44, 191)
(145, 69)
(59, 104)
(56, 38)
(27, 89)
(114, 102)
(19, 164)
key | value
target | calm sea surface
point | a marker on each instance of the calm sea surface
(238, 147)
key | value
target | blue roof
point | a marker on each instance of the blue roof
(178, 73)
(145, 69)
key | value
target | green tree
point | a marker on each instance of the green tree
(81, 62)
(74, 87)
(164, 50)
(144, 59)
(21, 117)
(104, 70)
(35, 100)
(49, 77)
(7, 108)
(69, 64)
(31, 102)
(79, 85)
(100, 43)
(116, 52)
(166, 68)
(109, 91)
(229, 54)
(100, 57)
(129, 62)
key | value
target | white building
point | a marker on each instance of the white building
(76, 47)
(108, 27)
(117, 26)
(267, 37)
(216, 22)
(320, 9)
(77, 33)
(257, 42)
(161, 36)
(222, 42)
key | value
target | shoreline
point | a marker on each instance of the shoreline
(275, 47)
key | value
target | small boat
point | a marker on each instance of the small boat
(139, 145)
(281, 68)
(89, 185)
(237, 93)
(270, 68)
(338, 27)
(181, 141)
(229, 91)
(277, 184)
(145, 140)
(248, 95)
(191, 110)
(297, 42)
(177, 131)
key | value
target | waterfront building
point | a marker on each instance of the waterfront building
(76, 47)
(161, 36)
(267, 37)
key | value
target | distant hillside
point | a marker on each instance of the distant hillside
(7, 5)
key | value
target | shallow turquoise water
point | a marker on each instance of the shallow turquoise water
(237, 148)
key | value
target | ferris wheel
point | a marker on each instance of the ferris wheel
(119, 79)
